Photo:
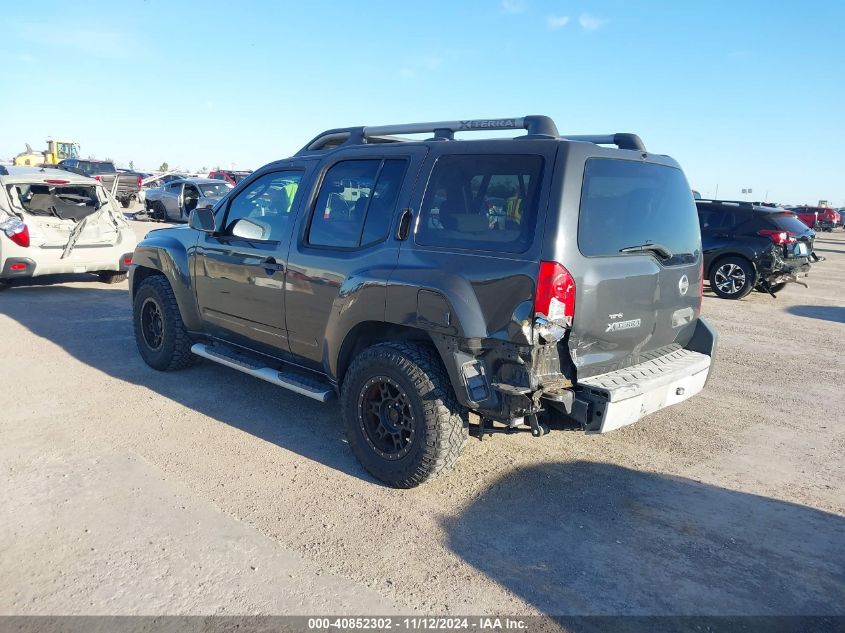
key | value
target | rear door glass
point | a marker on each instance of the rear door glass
(483, 203)
(629, 203)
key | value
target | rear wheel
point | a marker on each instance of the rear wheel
(126, 202)
(159, 331)
(732, 278)
(401, 416)
(111, 276)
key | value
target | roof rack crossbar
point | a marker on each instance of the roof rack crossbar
(622, 140)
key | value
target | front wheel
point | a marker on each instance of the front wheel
(400, 414)
(732, 278)
(160, 334)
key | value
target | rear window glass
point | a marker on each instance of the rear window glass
(788, 222)
(68, 202)
(483, 203)
(95, 169)
(626, 204)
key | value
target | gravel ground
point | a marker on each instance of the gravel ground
(730, 503)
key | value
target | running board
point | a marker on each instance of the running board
(296, 382)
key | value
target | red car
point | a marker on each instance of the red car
(819, 218)
(232, 177)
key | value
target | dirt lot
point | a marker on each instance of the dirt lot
(206, 491)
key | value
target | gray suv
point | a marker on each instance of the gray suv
(530, 280)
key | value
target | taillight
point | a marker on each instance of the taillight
(16, 231)
(555, 298)
(778, 237)
(53, 181)
(127, 260)
(97, 178)
(139, 181)
(17, 267)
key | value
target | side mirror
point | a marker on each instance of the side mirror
(202, 220)
(251, 229)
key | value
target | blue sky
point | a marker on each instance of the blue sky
(743, 94)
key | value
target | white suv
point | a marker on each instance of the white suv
(55, 221)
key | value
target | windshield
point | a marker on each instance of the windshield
(237, 177)
(789, 222)
(95, 169)
(627, 203)
(214, 190)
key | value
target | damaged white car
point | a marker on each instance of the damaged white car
(54, 222)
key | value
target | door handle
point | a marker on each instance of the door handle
(404, 227)
(270, 266)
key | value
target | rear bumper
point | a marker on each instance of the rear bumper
(610, 401)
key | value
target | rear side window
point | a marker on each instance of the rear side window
(356, 203)
(629, 203)
(483, 203)
(716, 219)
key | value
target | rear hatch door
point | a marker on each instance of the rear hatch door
(638, 265)
(61, 214)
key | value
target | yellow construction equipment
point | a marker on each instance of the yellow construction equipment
(56, 151)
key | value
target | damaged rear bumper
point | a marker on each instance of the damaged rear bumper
(618, 398)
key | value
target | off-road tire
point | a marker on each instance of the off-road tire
(174, 351)
(111, 276)
(126, 202)
(725, 263)
(439, 421)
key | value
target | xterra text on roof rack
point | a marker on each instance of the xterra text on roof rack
(527, 280)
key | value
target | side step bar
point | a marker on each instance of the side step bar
(292, 381)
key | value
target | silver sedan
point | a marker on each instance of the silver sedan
(175, 200)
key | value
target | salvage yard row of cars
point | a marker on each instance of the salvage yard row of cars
(538, 282)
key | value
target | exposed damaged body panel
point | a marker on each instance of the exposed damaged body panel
(72, 224)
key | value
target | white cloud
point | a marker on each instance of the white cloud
(514, 6)
(590, 22)
(557, 21)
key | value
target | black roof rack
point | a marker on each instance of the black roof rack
(536, 126)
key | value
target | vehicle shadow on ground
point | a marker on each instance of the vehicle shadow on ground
(94, 326)
(587, 538)
(823, 313)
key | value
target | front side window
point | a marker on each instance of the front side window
(356, 203)
(263, 210)
(485, 203)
